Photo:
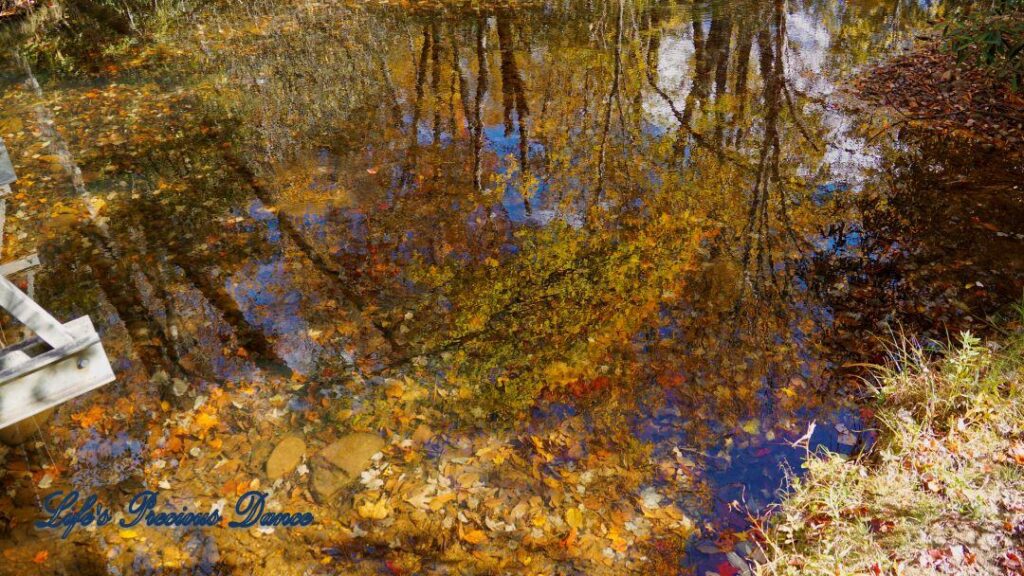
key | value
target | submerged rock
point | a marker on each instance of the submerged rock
(341, 462)
(285, 457)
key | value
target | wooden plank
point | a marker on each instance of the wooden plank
(54, 377)
(21, 265)
(83, 337)
(32, 315)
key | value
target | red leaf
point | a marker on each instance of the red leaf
(726, 569)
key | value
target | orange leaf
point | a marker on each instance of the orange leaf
(89, 418)
(41, 557)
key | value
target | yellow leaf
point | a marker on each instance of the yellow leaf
(204, 421)
(374, 510)
(97, 203)
(394, 388)
(752, 426)
(574, 518)
(440, 500)
(128, 534)
(475, 537)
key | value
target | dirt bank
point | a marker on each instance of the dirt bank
(929, 89)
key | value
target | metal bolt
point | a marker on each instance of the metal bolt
(82, 363)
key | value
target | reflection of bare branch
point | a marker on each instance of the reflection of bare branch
(796, 119)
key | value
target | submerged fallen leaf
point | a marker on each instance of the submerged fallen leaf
(440, 500)
(374, 510)
(574, 518)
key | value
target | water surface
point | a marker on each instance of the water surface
(665, 232)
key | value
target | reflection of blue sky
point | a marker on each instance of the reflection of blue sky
(107, 460)
(674, 76)
(261, 216)
(806, 72)
(506, 147)
(743, 468)
(267, 295)
(271, 298)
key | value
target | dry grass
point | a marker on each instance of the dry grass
(942, 490)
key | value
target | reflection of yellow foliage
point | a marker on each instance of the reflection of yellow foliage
(305, 185)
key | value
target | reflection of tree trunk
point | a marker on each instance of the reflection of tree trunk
(196, 272)
(463, 89)
(651, 29)
(780, 87)
(513, 97)
(159, 278)
(757, 232)
(417, 108)
(613, 94)
(481, 91)
(214, 292)
(385, 72)
(780, 35)
(115, 281)
(743, 49)
(722, 43)
(456, 84)
(700, 73)
(435, 79)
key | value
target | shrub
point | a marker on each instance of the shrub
(991, 36)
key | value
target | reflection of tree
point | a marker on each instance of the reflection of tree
(443, 259)
(512, 92)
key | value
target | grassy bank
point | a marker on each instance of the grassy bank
(941, 491)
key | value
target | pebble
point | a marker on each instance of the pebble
(341, 462)
(285, 457)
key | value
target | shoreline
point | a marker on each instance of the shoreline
(927, 89)
(942, 490)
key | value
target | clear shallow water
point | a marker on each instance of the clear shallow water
(665, 221)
